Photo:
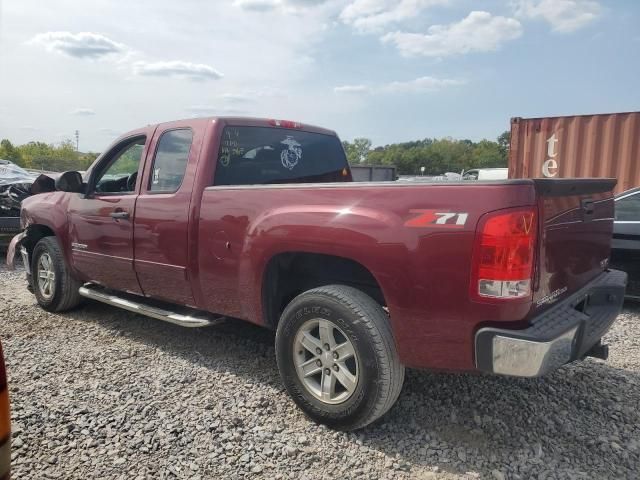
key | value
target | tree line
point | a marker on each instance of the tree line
(437, 156)
(44, 156)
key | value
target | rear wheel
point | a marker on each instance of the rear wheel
(337, 357)
(54, 287)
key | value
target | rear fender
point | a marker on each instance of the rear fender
(359, 234)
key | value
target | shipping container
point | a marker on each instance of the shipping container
(373, 173)
(603, 145)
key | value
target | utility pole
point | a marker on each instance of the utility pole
(77, 141)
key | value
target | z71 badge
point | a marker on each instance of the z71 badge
(436, 218)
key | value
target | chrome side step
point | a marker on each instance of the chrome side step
(100, 295)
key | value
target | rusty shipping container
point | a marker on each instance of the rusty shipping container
(603, 145)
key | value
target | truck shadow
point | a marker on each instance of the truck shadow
(582, 418)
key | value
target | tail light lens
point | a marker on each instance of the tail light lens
(504, 253)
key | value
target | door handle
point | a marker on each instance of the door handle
(120, 215)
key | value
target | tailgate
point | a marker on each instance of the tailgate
(575, 242)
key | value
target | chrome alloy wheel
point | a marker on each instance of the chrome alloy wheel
(46, 276)
(326, 361)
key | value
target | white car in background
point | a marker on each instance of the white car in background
(486, 174)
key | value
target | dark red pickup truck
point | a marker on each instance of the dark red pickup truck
(259, 220)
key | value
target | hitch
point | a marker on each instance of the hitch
(598, 351)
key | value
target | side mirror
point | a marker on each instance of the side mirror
(70, 182)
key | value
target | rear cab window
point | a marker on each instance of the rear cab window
(266, 155)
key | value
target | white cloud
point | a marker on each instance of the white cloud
(563, 15)
(79, 45)
(177, 68)
(478, 32)
(213, 110)
(110, 132)
(422, 84)
(85, 112)
(372, 15)
(236, 98)
(353, 89)
(265, 5)
(419, 85)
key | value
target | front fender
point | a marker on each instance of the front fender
(46, 214)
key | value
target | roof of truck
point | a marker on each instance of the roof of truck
(254, 122)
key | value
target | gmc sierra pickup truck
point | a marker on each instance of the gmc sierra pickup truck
(259, 220)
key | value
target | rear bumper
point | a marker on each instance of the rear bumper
(560, 335)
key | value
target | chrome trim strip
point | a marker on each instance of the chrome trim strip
(89, 291)
(626, 196)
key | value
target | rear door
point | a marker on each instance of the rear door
(576, 228)
(162, 212)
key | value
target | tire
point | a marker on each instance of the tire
(373, 374)
(62, 292)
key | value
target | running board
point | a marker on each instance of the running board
(191, 320)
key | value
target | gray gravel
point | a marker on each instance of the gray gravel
(101, 393)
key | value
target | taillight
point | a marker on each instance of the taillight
(503, 255)
(284, 124)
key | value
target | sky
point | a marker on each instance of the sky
(388, 70)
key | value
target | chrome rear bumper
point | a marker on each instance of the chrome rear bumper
(564, 333)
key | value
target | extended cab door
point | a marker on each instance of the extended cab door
(162, 212)
(101, 222)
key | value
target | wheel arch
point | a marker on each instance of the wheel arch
(35, 233)
(287, 274)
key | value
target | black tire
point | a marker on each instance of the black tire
(64, 293)
(365, 324)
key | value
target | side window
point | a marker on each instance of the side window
(628, 208)
(170, 162)
(120, 173)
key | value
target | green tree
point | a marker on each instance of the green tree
(42, 156)
(358, 151)
(9, 152)
(487, 154)
(504, 140)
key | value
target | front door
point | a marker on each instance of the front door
(101, 222)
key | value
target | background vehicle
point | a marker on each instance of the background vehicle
(625, 248)
(373, 173)
(260, 220)
(579, 146)
(5, 422)
(486, 174)
(15, 186)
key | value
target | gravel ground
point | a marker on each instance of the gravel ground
(101, 393)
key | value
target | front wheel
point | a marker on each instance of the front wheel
(54, 287)
(337, 357)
